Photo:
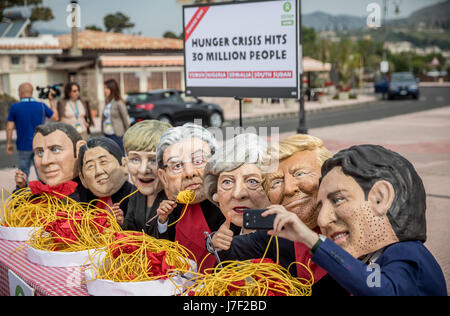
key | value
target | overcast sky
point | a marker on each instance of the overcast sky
(154, 17)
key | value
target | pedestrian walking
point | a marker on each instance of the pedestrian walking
(74, 111)
(24, 116)
(115, 119)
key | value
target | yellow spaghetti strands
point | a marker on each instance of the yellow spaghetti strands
(77, 227)
(126, 197)
(135, 256)
(257, 277)
(184, 197)
(24, 209)
(249, 278)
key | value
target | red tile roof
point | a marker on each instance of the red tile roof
(90, 40)
(27, 47)
(46, 42)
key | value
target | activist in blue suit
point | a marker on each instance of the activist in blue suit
(371, 204)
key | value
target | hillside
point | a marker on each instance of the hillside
(321, 21)
(435, 16)
(431, 17)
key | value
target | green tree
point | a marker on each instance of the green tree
(170, 34)
(117, 22)
(347, 60)
(309, 42)
(93, 27)
(418, 64)
(371, 52)
(324, 50)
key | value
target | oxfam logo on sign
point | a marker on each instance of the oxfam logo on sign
(287, 6)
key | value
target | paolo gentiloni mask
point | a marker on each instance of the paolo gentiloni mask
(370, 197)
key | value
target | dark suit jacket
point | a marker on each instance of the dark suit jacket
(87, 196)
(138, 214)
(405, 268)
(79, 192)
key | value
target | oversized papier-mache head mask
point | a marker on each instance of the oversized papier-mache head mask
(234, 175)
(55, 148)
(296, 181)
(140, 142)
(101, 169)
(382, 191)
(181, 154)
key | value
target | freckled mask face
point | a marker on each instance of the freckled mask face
(241, 189)
(295, 185)
(347, 218)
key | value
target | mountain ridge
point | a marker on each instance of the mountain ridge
(433, 16)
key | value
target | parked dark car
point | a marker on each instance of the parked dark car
(172, 106)
(400, 84)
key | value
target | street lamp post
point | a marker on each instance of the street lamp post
(301, 129)
(74, 50)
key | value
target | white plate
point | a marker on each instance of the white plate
(16, 233)
(167, 287)
(59, 258)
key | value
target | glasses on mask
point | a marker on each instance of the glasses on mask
(177, 166)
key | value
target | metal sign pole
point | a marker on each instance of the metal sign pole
(240, 110)
(301, 129)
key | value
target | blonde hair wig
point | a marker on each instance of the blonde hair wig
(144, 136)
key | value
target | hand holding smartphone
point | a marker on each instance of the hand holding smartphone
(254, 220)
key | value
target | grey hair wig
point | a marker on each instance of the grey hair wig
(179, 134)
(243, 149)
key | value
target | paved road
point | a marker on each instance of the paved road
(430, 98)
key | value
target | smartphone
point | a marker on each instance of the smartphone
(254, 220)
